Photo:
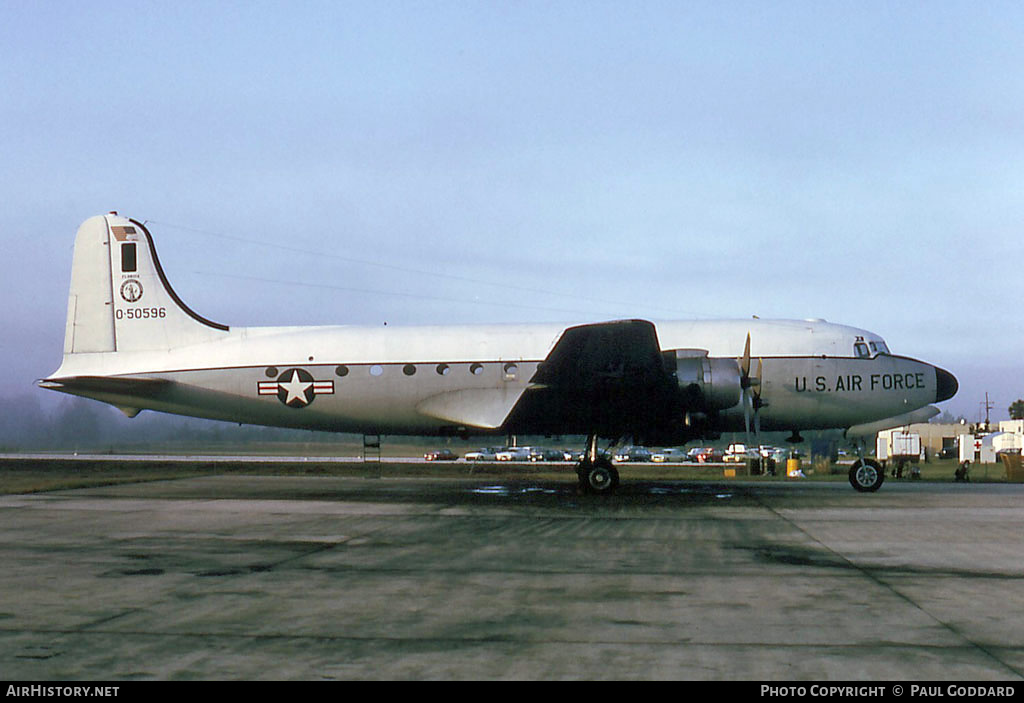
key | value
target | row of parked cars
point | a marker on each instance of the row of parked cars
(700, 455)
(520, 454)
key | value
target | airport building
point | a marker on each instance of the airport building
(934, 436)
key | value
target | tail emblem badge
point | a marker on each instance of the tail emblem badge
(131, 290)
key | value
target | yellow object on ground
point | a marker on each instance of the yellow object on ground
(793, 468)
(1014, 469)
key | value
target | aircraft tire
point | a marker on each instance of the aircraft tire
(600, 478)
(866, 475)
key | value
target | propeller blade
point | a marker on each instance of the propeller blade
(745, 360)
(748, 407)
(756, 400)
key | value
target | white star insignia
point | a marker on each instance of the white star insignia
(296, 389)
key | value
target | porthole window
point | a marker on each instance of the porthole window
(271, 371)
(511, 369)
(409, 369)
(376, 370)
(476, 369)
(443, 369)
(341, 371)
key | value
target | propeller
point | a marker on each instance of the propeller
(751, 391)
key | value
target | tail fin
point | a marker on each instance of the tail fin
(120, 299)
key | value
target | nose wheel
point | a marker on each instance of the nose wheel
(866, 475)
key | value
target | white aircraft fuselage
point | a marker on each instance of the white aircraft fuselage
(131, 342)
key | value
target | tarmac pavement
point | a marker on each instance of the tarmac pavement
(281, 578)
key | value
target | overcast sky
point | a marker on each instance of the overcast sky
(434, 162)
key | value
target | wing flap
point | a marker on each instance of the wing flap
(474, 407)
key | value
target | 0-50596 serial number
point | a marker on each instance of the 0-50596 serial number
(140, 313)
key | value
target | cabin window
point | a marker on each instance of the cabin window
(476, 369)
(443, 369)
(860, 349)
(510, 372)
(409, 369)
(129, 263)
(376, 370)
(341, 371)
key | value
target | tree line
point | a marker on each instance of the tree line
(71, 423)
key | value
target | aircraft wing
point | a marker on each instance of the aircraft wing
(593, 376)
(609, 377)
(602, 356)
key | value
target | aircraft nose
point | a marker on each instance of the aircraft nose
(946, 385)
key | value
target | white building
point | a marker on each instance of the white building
(934, 436)
(1012, 426)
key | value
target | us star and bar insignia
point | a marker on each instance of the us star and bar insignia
(296, 388)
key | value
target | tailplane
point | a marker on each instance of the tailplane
(120, 299)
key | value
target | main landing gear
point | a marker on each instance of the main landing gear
(596, 472)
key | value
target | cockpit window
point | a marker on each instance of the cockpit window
(869, 349)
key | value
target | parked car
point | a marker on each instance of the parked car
(633, 454)
(541, 454)
(484, 454)
(736, 453)
(440, 455)
(669, 454)
(704, 455)
(513, 454)
(776, 453)
(578, 454)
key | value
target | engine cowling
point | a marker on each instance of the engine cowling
(707, 384)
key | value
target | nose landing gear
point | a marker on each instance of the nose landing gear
(866, 475)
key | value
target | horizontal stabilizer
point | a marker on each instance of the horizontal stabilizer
(88, 385)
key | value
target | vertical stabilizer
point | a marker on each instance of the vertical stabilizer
(90, 324)
(120, 299)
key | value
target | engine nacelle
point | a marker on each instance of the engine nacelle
(707, 384)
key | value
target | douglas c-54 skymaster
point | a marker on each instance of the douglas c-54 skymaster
(131, 342)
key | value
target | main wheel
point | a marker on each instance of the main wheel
(599, 477)
(866, 475)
